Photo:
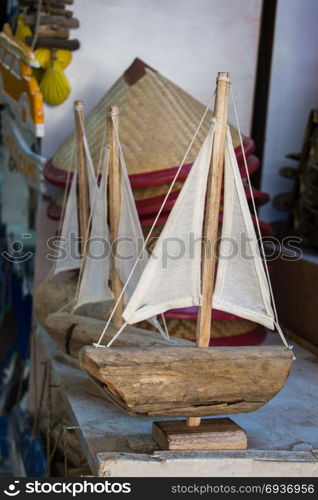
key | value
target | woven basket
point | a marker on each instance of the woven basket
(157, 122)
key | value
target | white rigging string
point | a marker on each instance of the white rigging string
(152, 228)
(259, 234)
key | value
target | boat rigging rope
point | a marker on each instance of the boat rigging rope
(37, 24)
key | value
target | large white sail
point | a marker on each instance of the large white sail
(241, 285)
(93, 286)
(171, 278)
(68, 242)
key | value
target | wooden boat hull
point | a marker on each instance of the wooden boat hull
(188, 381)
(71, 332)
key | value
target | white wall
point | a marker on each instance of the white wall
(188, 41)
(293, 91)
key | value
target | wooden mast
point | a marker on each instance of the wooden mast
(210, 230)
(83, 196)
(114, 206)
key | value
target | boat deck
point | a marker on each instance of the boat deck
(282, 436)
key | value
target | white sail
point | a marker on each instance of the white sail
(131, 242)
(171, 278)
(93, 286)
(70, 231)
(68, 242)
(91, 177)
(241, 285)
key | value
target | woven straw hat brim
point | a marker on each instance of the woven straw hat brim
(157, 122)
(225, 329)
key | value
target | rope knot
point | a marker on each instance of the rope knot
(223, 79)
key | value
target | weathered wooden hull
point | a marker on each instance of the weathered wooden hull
(71, 332)
(188, 381)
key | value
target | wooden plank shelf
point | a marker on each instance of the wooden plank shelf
(282, 436)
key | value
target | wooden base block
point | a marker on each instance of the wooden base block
(211, 434)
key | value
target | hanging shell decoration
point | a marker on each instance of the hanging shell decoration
(54, 84)
(46, 29)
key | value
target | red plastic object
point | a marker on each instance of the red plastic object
(190, 314)
(152, 205)
(54, 211)
(253, 337)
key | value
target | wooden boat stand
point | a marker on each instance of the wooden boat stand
(211, 434)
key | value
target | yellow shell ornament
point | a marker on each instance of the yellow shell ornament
(44, 56)
(64, 57)
(54, 85)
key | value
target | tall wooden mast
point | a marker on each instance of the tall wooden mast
(210, 230)
(114, 206)
(83, 195)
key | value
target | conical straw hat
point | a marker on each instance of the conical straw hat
(157, 122)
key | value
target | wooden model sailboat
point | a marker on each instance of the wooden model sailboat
(196, 381)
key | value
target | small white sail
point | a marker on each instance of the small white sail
(94, 278)
(171, 278)
(91, 176)
(130, 237)
(132, 256)
(70, 231)
(241, 285)
(68, 242)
